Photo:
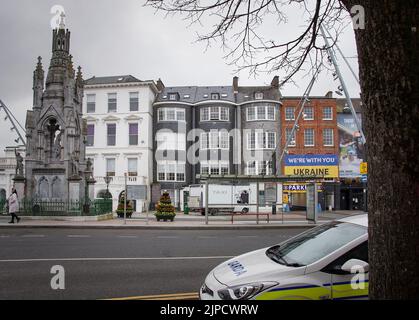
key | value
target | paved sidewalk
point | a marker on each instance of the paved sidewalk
(182, 221)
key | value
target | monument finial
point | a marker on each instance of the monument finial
(62, 21)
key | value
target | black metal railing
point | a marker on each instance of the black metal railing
(35, 207)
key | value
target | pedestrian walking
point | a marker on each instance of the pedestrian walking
(13, 202)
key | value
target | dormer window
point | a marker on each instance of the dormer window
(258, 96)
(173, 96)
(215, 96)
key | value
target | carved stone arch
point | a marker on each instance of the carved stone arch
(43, 189)
(57, 188)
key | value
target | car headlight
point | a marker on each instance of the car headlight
(245, 291)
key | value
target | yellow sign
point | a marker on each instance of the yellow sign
(363, 168)
(285, 198)
(323, 171)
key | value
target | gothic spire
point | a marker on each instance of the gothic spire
(71, 71)
(62, 21)
(79, 79)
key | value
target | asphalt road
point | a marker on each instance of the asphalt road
(103, 264)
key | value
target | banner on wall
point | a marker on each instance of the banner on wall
(351, 149)
(325, 165)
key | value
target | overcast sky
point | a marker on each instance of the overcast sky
(110, 37)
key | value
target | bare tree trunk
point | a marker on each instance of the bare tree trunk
(389, 71)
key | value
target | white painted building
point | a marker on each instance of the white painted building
(8, 170)
(119, 118)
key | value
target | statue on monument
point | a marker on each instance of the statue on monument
(57, 146)
(89, 165)
(74, 164)
(19, 164)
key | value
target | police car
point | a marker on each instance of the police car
(326, 262)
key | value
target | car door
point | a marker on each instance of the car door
(346, 285)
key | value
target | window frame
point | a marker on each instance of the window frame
(314, 141)
(163, 111)
(132, 173)
(264, 139)
(208, 114)
(90, 102)
(312, 113)
(286, 113)
(131, 100)
(90, 136)
(332, 144)
(166, 165)
(110, 173)
(108, 125)
(331, 113)
(294, 137)
(215, 166)
(132, 135)
(252, 113)
(111, 103)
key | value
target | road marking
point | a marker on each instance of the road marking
(167, 237)
(78, 236)
(206, 237)
(33, 236)
(247, 236)
(175, 296)
(127, 236)
(118, 259)
(1, 236)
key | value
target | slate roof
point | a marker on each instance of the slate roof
(195, 94)
(111, 80)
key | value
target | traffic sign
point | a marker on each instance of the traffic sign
(363, 168)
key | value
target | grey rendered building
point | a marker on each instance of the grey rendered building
(215, 130)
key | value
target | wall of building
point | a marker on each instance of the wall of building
(122, 151)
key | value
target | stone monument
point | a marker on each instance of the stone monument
(55, 163)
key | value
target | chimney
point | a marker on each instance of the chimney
(236, 84)
(329, 94)
(160, 85)
(275, 82)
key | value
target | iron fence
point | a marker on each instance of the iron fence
(32, 207)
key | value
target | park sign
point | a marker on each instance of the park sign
(324, 165)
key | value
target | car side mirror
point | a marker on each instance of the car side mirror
(355, 266)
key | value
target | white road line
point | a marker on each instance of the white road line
(117, 259)
(247, 236)
(78, 236)
(127, 236)
(33, 236)
(206, 237)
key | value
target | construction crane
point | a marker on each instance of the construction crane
(15, 123)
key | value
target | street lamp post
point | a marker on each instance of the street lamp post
(107, 180)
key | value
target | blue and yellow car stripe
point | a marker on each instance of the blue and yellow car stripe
(340, 290)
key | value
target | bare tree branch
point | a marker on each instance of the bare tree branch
(237, 24)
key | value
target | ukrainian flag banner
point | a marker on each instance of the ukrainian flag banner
(325, 165)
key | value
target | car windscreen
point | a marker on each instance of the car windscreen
(315, 244)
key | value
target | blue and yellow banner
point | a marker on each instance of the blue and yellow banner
(324, 165)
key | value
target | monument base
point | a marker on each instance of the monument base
(19, 185)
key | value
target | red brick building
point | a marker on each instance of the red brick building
(317, 128)
(317, 134)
